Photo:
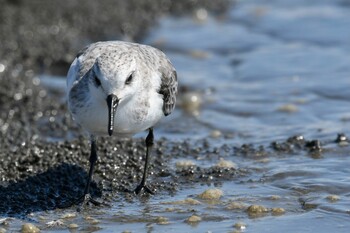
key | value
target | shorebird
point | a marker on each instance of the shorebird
(120, 88)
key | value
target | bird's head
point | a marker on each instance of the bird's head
(114, 84)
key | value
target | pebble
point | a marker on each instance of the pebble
(2, 230)
(289, 108)
(184, 164)
(191, 102)
(73, 226)
(309, 206)
(263, 160)
(29, 228)
(278, 211)
(92, 220)
(69, 215)
(226, 164)
(194, 219)
(215, 133)
(333, 198)
(41, 217)
(55, 223)
(162, 220)
(199, 54)
(275, 197)
(201, 15)
(344, 143)
(240, 226)
(301, 101)
(169, 209)
(5, 221)
(257, 210)
(211, 194)
(187, 201)
(236, 206)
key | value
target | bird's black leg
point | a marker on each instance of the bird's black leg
(93, 158)
(149, 144)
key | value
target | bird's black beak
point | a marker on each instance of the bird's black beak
(112, 102)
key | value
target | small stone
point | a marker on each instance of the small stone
(275, 197)
(162, 220)
(191, 102)
(226, 164)
(199, 54)
(309, 206)
(194, 219)
(5, 221)
(41, 217)
(289, 108)
(236, 206)
(73, 226)
(170, 209)
(211, 194)
(69, 215)
(29, 228)
(260, 11)
(201, 14)
(215, 133)
(333, 198)
(191, 201)
(92, 220)
(300, 101)
(2, 230)
(187, 201)
(278, 211)
(345, 143)
(180, 211)
(263, 160)
(240, 225)
(55, 223)
(257, 210)
(184, 164)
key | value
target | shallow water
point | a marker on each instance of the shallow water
(271, 72)
(265, 71)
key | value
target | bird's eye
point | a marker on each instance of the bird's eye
(97, 81)
(128, 80)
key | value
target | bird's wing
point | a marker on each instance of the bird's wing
(74, 72)
(168, 87)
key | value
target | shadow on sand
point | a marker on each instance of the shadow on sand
(58, 187)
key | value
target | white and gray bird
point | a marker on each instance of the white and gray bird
(120, 88)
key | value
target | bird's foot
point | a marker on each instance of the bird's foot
(144, 188)
(86, 200)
